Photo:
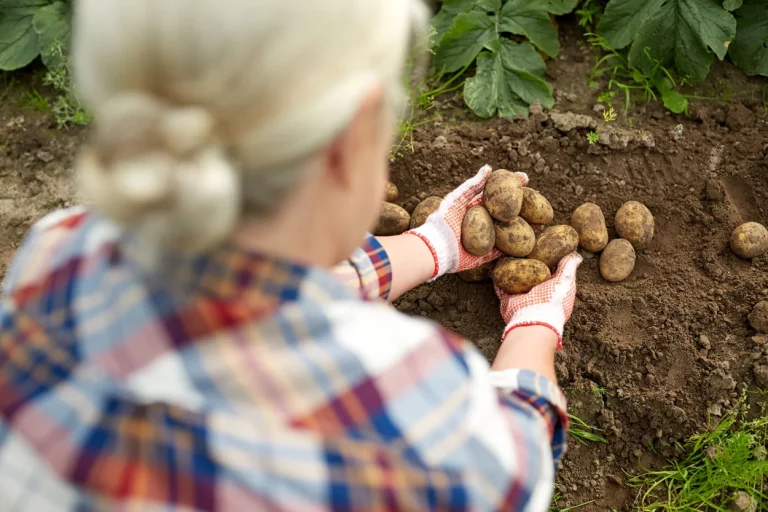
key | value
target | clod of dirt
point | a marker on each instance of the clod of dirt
(704, 342)
(677, 132)
(565, 122)
(742, 502)
(619, 138)
(45, 156)
(758, 318)
(537, 112)
(739, 117)
(761, 375)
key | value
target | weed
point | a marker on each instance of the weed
(33, 99)
(554, 507)
(598, 391)
(67, 108)
(730, 458)
(588, 14)
(609, 116)
(583, 432)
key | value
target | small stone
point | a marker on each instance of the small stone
(704, 342)
(677, 132)
(715, 410)
(760, 339)
(568, 121)
(713, 452)
(45, 156)
(599, 108)
(761, 375)
(758, 318)
(587, 255)
(742, 502)
(439, 142)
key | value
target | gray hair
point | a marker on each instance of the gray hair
(203, 107)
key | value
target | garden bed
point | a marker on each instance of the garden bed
(649, 361)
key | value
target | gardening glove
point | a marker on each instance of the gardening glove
(442, 231)
(550, 304)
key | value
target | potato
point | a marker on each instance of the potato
(515, 238)
(503, 195)
(477, 234)
(617, 261)
(536, 208)
(589, 223)
(393, 220)
(424, 209)
(477, 275)
(392, 193)
(749, 240)
(519, 276)
(634, 223)
(554, 244)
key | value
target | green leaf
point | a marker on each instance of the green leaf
(560, 7)
(18, 41)
(508, 81)
(52, 24)
(622, 19)
(468, 35)
(749, 51)
(532, 20)
(732, 5)
(684, 33)
(674, 101)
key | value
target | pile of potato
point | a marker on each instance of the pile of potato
(749, 240)
(510, 218)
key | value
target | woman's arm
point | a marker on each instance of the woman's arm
(411, 261)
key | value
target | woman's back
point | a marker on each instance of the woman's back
(235, 381)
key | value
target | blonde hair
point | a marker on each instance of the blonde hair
(205, 106)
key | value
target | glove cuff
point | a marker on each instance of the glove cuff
(545, 315)
(440, 239)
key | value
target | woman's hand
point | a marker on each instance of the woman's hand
(548, 305)
(442, 231)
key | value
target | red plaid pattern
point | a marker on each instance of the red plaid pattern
(550, 304)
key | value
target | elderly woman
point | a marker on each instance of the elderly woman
(200, 339)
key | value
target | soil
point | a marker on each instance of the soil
(650, 360)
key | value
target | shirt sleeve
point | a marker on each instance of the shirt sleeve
(367, 270)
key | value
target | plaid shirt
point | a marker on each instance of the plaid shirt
(237, 382)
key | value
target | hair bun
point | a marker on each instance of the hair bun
(159, 170)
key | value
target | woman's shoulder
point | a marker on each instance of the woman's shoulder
(61, 240)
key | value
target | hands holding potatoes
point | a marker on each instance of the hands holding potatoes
(549, 304)
(442, 232)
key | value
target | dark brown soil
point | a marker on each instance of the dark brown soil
(649, 360)
(652, 359)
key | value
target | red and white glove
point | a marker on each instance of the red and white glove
(550, 304)
(442, 231)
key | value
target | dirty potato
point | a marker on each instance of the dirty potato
(515, 238)
(536, 208)
(392, 193)
(554, 244)
(424, 209)
(478, 274)
(749, 240)
(617, 261)
(519, 276)
(393, 220)
(589, 223)
(503, 195)
(634, 223)
(477, 234)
